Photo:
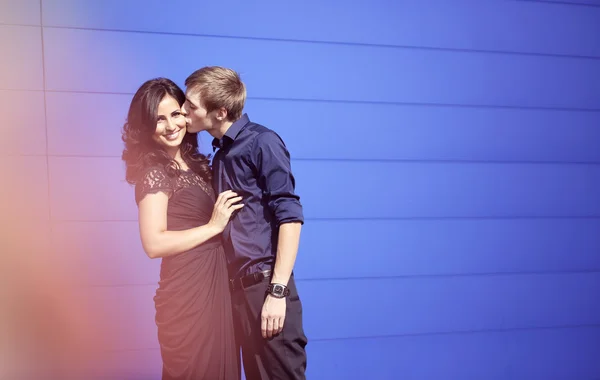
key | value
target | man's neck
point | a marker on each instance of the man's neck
(220, 130)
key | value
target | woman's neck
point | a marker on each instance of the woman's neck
(176, 155)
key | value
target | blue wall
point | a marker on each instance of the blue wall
(447, 154)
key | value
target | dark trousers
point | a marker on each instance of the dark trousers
(280, 357)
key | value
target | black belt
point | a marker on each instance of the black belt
(249, 280)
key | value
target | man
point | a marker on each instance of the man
(261, 241)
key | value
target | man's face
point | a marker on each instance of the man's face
(197, 117)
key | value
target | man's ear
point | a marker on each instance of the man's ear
(222, 114)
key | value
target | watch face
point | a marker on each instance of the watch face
(278, 289)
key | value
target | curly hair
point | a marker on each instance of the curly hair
(141, 151)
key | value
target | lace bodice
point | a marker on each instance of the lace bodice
(156, 179)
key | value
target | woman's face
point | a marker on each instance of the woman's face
(170, 124)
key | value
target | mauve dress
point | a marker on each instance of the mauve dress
(193, 304)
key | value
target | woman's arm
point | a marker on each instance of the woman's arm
(158, 242)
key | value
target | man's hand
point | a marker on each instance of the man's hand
(272, 316)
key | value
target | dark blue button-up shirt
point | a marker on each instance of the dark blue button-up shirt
(253, 161)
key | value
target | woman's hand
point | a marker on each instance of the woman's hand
(226, 204)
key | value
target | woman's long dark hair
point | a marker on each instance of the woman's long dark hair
(141, 151)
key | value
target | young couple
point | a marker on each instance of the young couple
(227, 235)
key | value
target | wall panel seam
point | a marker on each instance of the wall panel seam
(324, 42)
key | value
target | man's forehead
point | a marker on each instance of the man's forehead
(192, 92)
(193, 96)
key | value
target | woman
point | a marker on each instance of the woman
(181, 222)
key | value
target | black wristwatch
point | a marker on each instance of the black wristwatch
(278, 290)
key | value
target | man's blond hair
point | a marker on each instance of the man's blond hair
(219, 87)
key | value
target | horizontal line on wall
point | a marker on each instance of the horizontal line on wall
(454, 275)
(514, 217)
(398, 277)
(28, 25)
(326, 42)
(374, 160)
(420, 104)
(439, 161)
(563, 3)
(422, 334)
(416, 218)
(21, 90)
(464, 332)
(342, 101)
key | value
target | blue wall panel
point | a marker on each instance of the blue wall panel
(21, 64)
(22, 111)
(24, 193)
(370, 73)
(91, 259)
(561, 354)
(20, 12)
(459, 24)
(399, 190)
(98, 118)
(569, 2)
(370, 131)
(387, 248)
(372, 307)
(369, 249)
(341, 130)
(365, 189)
(446, 153)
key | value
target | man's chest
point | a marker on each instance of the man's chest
(233, 168)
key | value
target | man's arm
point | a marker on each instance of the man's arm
(275, 178)
(287, 249)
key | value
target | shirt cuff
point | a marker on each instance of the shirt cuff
(287, 212)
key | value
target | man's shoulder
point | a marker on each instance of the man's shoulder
(259, 132)
(258, 129)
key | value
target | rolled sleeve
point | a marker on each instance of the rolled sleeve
(272, 162)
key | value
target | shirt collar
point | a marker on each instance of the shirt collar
(232, 132)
